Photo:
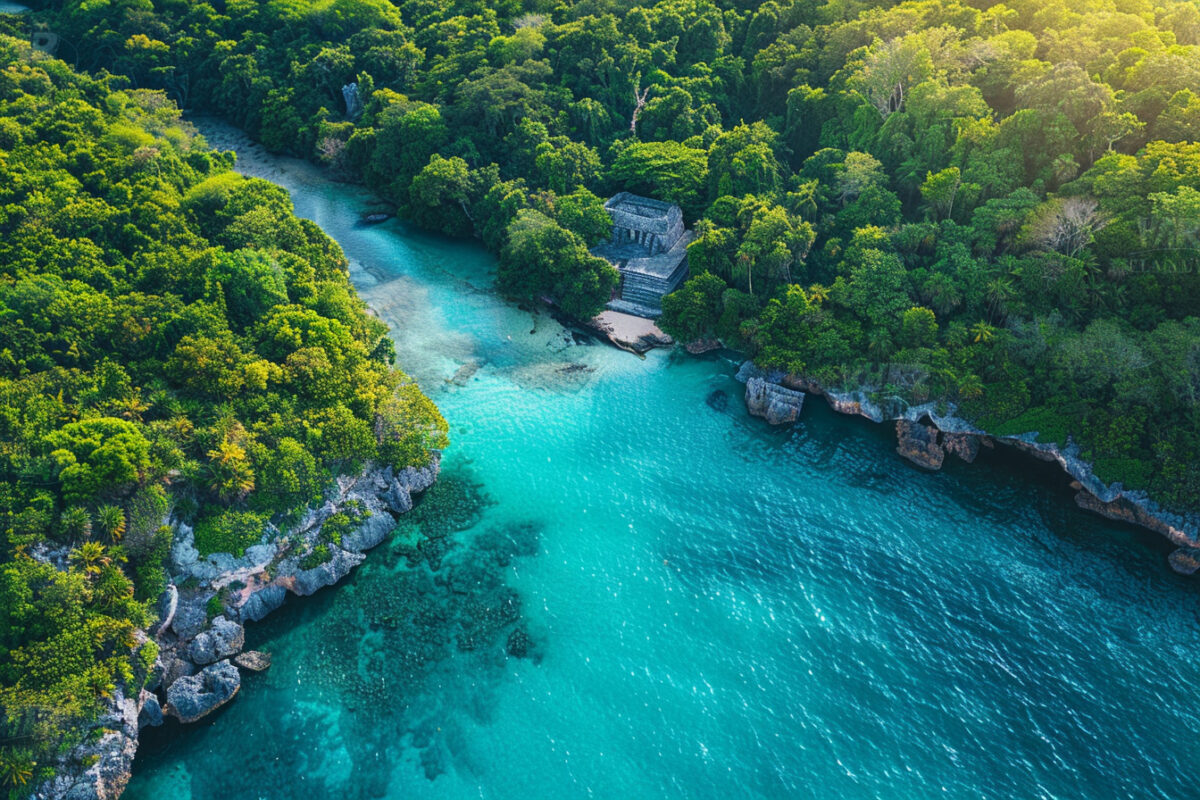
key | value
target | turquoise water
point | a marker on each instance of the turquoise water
(716, 609)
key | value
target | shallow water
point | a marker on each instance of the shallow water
(716, 609)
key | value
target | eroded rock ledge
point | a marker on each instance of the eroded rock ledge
(925, 437)
(197, 671)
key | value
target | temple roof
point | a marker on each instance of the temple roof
(642, 213)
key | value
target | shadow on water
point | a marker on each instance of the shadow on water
(1001, 483)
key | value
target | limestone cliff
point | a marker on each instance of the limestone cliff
(925, 436)
(197, 668)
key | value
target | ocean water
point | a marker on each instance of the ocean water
(626, 587)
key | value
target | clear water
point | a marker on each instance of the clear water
(718, 609)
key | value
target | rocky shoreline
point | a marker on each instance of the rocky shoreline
(636, 335)
(200, 650)
(926, 437)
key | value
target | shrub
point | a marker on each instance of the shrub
(228, 531)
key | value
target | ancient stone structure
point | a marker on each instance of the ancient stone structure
(649, 249)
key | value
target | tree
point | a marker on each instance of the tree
(692, 311)
(918, 328)
(981, 332)
(111, 521)
(743, 161)
(544, 260)
(94, 456)
(91, 557)
(231, 474)
(773, 243)
(666, 170)
(940, 189)
(1066, 225)
(248, 282)
(565, 165)
(440, 195)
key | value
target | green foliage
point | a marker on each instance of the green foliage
(988, 206)
(669, 171)
(224, 530)
(544, 259)
(316, 557)
(172, 338)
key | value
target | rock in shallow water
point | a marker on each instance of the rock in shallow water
(919, 444)
(224, 639)
(776, 404)
(1185, 561)
(519, 643)
(196, 696)
(151, 715)
(253, 660)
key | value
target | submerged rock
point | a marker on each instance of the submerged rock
(519, 643)
(718, 400)
(196, 696)
(774, 403)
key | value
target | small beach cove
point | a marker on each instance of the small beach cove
(714, 608)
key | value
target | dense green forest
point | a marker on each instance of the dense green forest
(172, 339)
(990, 205)
(994, 205)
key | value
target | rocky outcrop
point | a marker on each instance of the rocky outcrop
(634, 334)
(919, 444)
(151, 715)
(1185, 561)
(926, 446)
(703, 345)
(956, 435)
(224, 639)
(99, 770)
(964, 445)
(196, 696)
(262, 580)
(774, 403)
(253, 660)
(198, 652)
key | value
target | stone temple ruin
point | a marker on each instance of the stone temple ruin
(649, 249)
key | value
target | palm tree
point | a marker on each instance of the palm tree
(982, 332)
(90, 557)
(818, 294)
(879, 344)
(16, 768)
(112, 522)
(230, 472)
(971, 387)
(75, 523)
(132, 408)
(1000, 293)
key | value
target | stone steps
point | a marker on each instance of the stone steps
(636, 309)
